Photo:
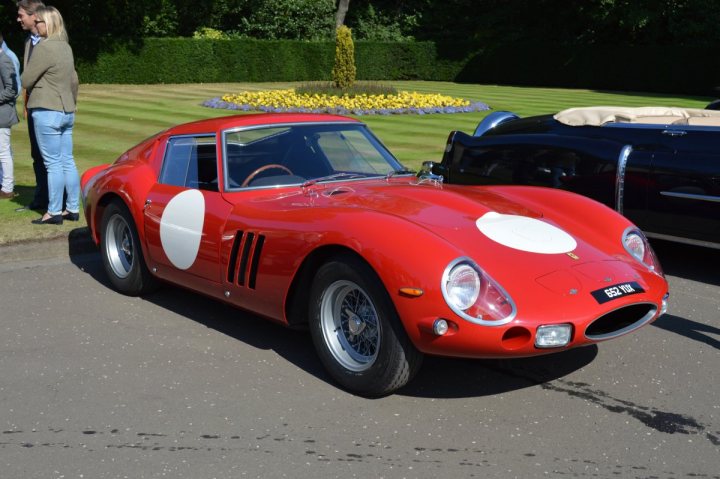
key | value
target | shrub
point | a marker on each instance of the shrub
(210, 33)
(344, 71)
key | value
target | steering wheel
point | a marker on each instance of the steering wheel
(252, 175)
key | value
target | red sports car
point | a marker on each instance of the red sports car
(308, 220)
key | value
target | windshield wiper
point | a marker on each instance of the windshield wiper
(334, 176)
(401, 171)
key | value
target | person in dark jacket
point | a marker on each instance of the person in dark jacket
(8, 118)
(26, 18)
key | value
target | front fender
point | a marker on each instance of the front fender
(403, 254)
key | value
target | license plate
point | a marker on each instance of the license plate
(616, 291)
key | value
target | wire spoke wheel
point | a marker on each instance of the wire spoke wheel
(356, 329)
(350, 325)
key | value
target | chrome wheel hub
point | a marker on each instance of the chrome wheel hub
(119, 247)
(350, 325)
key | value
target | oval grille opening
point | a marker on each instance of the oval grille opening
(620, 321)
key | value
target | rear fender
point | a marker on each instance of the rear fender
(130, 184)
(493, 120)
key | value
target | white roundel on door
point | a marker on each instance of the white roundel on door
(181, 228)
(525, 234)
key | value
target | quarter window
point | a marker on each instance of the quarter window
(191, 161)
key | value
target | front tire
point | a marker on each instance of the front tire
(356, 330)
(122, 254)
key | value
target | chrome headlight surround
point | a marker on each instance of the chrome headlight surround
(638, 246)
(474, 296)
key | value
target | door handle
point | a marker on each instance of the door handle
(674, 132)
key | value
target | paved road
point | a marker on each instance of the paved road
(97, 385)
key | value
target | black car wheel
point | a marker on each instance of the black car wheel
(121, 252)
(356, 330)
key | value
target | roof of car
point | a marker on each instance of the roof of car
(659, 115)
(233, 121)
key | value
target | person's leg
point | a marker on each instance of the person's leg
(40, 199)
(71, 177)
(6, 160)
(47, 132)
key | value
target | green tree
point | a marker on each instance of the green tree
(164, 23)
(290, 19)
(95, 25)
(224, 15)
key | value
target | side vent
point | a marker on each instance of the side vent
(248, 246)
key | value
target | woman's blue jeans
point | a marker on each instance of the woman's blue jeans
(53, 130)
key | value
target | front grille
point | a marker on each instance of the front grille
(620, 321)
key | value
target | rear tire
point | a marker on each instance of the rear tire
(122, 254)
(357, 332)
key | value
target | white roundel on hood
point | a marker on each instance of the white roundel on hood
(525, 234)
(181, 228)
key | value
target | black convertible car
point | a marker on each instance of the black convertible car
(658, 166)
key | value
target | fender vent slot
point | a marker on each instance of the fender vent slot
(233, 257)
(248, 246)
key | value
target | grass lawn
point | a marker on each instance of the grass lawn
(112, 118)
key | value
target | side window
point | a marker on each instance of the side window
(191, 161)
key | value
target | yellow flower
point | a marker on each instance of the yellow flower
(289, 100)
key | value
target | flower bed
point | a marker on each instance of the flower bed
(289, 101)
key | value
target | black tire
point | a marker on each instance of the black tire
(356, 330)
(122, 254)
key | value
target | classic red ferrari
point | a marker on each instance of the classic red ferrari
(308, 220)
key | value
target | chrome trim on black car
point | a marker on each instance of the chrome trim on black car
(620, 177)
(680, 239)
(690, 196)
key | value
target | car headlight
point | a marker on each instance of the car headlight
(463, 286)
(637, 245)
(473, 295)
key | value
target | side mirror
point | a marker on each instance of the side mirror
(426, 173)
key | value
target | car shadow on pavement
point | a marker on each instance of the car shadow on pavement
(458, 378)
(438, 378)
(690, 329)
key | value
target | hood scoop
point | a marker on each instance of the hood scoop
(340, 190)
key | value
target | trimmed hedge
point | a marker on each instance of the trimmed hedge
(185, 60)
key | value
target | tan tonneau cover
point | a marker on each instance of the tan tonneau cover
(657, 115)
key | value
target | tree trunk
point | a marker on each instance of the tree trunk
(341, 11)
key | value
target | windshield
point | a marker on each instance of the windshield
(277, 155)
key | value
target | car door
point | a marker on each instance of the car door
(184, 214)
(583, 165)
(684, 188)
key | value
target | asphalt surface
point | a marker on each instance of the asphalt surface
(94, 384)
